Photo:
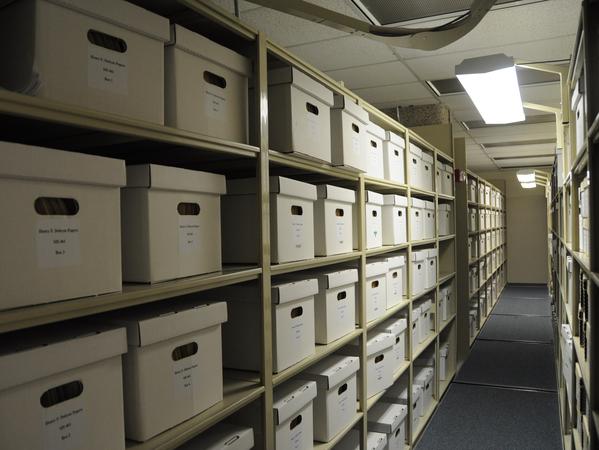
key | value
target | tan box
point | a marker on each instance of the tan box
(107, 56)
(206, 87)
(173, 369)
(171, 223)
(348, 134)
(62, 388)
(62, 225)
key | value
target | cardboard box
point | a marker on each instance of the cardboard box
(63, 227)
(414, 166)
(222, 436)
(173, 368)
(54, 383)
(446, 294)
(374, 153)
(293, 330)
(426, 171)
(447, 183)
(333, 224)
(206, 86)
(348, 134)
(107, 57)
(351, 441)
(170, 223)
(397, 285)
(293, 415)
(425, 377)
(472, 219)
(335, 403)
(376, 441)
(398, 393)
(396, 327)
(429, 220)
(431, 268)
(335, 304)
(395, 228)
(291, 221)
(376, 290)
(418, 271)
(374, 220)
(579, 110)
(417, 220)
(445, 219)
(416, 316)
(472, 189)
(389, 418)
(394, 149)
(426, 322)
(299, 114)
(443, 352)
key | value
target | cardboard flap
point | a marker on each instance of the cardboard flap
(386, 417)
(340, 278)
(332, 371)
(45, 164)
(445, 207)
(424, 375)
(427, 157)
(294, 290)
(153, 176)
(376, 268)
(222, 436)
(419, 255)
(291, 75)
(425, 306)
(374, 198)
(376, 441)
(336, 193)
(432, 253)
(396, 200)
(418, 203)
(394, 326)
(41, 352)
(123, 14)
(290, 398)
(429, 205)
(395, 139)
(350, 107)
(376, 131)
(395, 262)
(379, 342)
(204, 48)
(415, 150)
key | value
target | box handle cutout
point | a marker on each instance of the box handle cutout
(419, 266)
(231, 440)
(373, 144)
(414, 406)
(61, 393)
(297, 312)
(342, 295)
(188, 209)
(416, 213)
(414, 161)
(396, 152)
(339, 212)
(107, 41)
(397, 339)
(379, 358)
(394, 274)
(342, 389)
(355, 127)
(297, 210)
(312, 108)
(185, 351)
(399, 213)
(295, 422)
(374, 284)
(397, 431)
(214, 79)
(427, 168)
(56, 206)
(374, 213)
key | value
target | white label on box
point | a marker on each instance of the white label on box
(356, 145)
(341, 310)
(107, 70)
(298, 234)
(64, 426)
(186, 373)
(189, 234)
(297, 438)
(340, 232)
(215, 105)
(379, 370)
(396, 286)
(313, 126)
(375, 296)
(58, 242)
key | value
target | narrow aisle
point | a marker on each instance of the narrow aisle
(505, 394)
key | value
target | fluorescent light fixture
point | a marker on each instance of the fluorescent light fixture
(529, 185)
(492, 84)
(526, 176)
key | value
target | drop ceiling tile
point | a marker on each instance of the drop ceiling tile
(383, 74)
(345, 52)
(340, 6)
(522, 150)
(411, 102)
(394, 93)
(458, 102)
(524, 162)
(494, 139)
(507, 131)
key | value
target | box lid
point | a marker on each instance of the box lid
(200, 46)
(419, 255)
(337, 193)
(417, 203)
(291, 397)
(424, 375)
(222, 436)
(153, 176)
(394, 326)
(374, 198)
(54, 349)
(415, 150)
(400, 391)
(376, 131)
(349, 106)
(393, 199)
(376, 441)
(277, 185)
(394, 262)
(289, 291)
(343, 277)
(432, 253)
(124, 14)
(332, 371)
(395, 139)
(429, 205)
(149, 324)
(444, 207)
(376, 268)
(385, 417)
(425, 306)
(379, 342)
(38, 163)
(291, 75)
(443, 351)
(427, 157)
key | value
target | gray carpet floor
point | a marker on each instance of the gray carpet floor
(520, 306)
(518, 328)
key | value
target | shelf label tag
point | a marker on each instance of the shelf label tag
(64, 426)
(189, 234)
(57, 242)
(107, 70)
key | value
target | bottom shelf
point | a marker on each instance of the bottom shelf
(444, 384)
(339, 436)
(424, 420)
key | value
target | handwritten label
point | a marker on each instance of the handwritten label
(215, 105)
(186, 374)
(107, 70)
(356, 145)
(189, 234)
(340, 232)
(58, 242)
(298, 233)
(64, 426)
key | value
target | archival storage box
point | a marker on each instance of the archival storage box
(426, 171)
(398, 393)
(222, 436)
(389, 418)
(429, 220)
(396, 327)
(374, 152)
(396, 280)
(374, 220)
(394, 149)
(376, 290)
(395, 228)
(414, 165)
(293, 415)
(333, 220)
(417, 221)
(348, 134)
(418, 271)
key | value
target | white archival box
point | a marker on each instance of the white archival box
(579, 110)
(416, 316)
(299, 112)
(414, 165)
(424, 324)
(396, 280)
(374, 220)
(376, 441)
(333, 220)
(58, 255)
(206, 86)
(429, 220)
(439, 175)
(472, 219)
(222, 436)
(107, 56)
(425, 378)
(62, 387)
(389, 418)
(398, 393)
(293, 415)
(395, 230)
(292, 321)
(394, 149)
(417, 220)
(443, 353)
(173, 368)
(376, 290)
(472, 189)
(418, 271)
(448, 179)
(431, 268)
(445, 219)
(374, 152)
(335, 403)
(171, 223)
(335, 304)
(397, 328)
(426, 171)
(348, 134)
(291, 221)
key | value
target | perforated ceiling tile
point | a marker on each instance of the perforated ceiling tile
(383, 74)
(394, 93)
(544, 150)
